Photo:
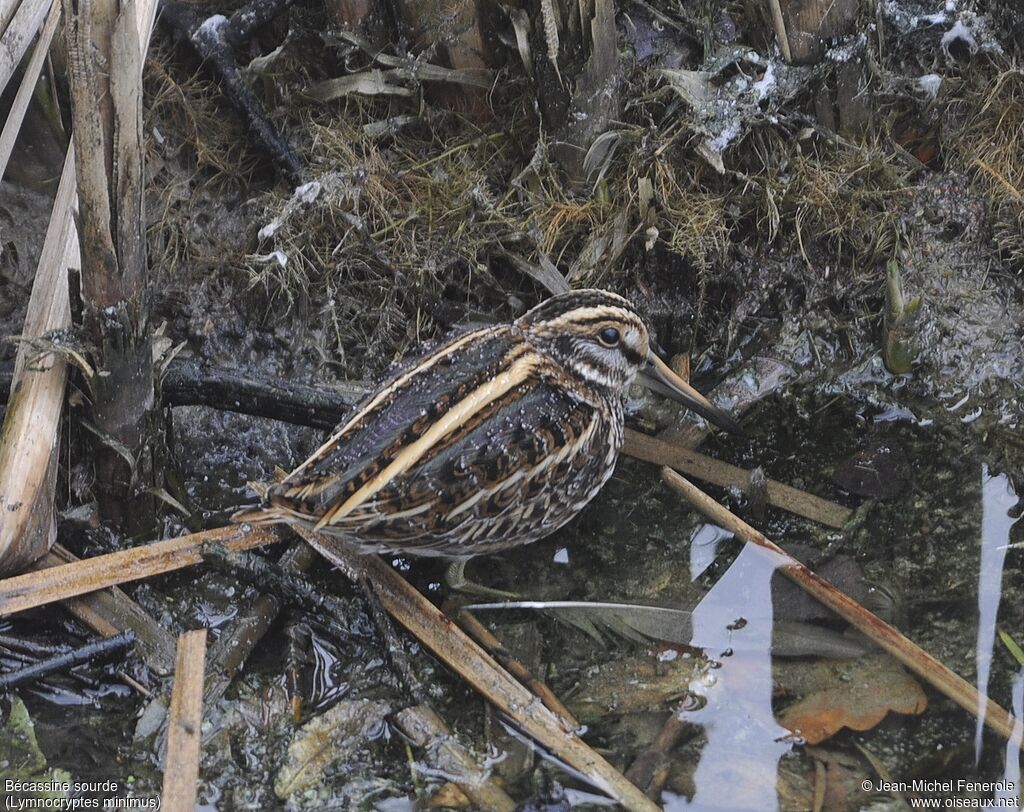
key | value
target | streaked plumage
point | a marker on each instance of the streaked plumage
(494, 439)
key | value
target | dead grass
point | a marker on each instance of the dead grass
(196, 149)
(847, 194)
(416, 205)
(393, 232)
(989, 147)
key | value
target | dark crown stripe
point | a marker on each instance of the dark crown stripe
(573, 319)
(573, 300)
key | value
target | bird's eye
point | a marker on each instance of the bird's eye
(609, 336)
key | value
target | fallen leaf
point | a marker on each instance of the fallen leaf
(449, 796)
(328, 739)
(846, 693)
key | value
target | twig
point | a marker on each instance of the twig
(510, 663)
(63, 662)
(70, 580)
(453, 647)
(426, 730)
(786, 497)
(112, 611)
(397, 655)
(881, 633)
(181, 766)
(234, 645)
(286, 585)
(649, 770)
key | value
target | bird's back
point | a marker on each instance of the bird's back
(481, 444)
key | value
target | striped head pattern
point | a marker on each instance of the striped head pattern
(596, 335)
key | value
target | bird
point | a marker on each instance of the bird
(494, 438)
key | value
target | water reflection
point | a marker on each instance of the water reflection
(997, 499)
(1011, 774)
(737, 769)
(704, 543)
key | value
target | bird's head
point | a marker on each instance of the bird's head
(599, 337)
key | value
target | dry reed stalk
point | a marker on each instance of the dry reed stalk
(41, 587)
(30, 433)
(786, 497)
(25, 90)
(460, 653)
(18, 34)
(181, 766)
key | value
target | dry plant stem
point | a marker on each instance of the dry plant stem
(181, 766)
(28, 83)
(28, 439)
(786, 497)
(70, 580)
(649, 770)
(105, 72)
(780, 29)
(229, 653)
(426, 730)
(453, 647)
(30, 433)
(517, 669)
(112, 611)
(18, 34)
(882, 634)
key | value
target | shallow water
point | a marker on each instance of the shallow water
(942, 536)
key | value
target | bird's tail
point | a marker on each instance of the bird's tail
(264, 513)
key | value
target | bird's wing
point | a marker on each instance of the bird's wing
(504, 465)
(416, 412)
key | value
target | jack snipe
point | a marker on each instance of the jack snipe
(495, 438)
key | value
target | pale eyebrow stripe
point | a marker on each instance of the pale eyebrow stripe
(595, 314)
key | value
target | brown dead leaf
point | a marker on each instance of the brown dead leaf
(328, 739)
(846, 693)
(449, 796)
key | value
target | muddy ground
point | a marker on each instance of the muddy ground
(423, 220)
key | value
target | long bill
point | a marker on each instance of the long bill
(658, 377)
